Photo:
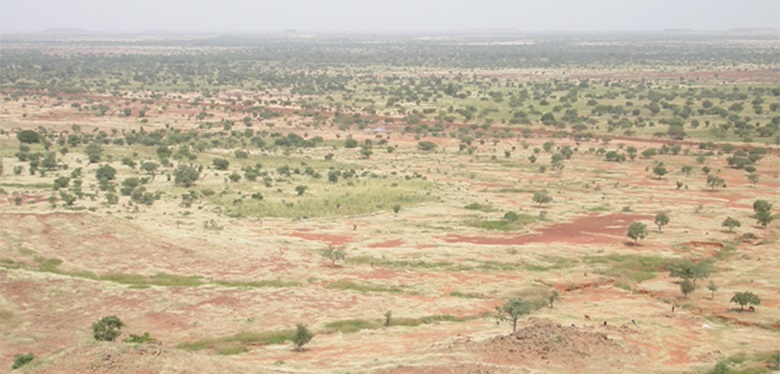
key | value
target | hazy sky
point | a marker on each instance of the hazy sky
(385, 15)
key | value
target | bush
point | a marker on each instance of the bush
(186, 175)
(107, 328)
(21, 360)
(28, 136)
(140, 339)
(302, 336)
(220, 163)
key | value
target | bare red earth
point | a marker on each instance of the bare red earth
(585, 230)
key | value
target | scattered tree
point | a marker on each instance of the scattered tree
(686, 286)
(302, 336)
(731, 223)
(763, 211)
(105, 173)
(301, 189)
(186, 175)
(692, 271)
(714, 181)
(334, 254)
(220, 163)
(107, 328)
(426, 145)
(542, 197)
(636, 231)
(512, 310)
(660, 170)
(712, 287)
(661, 220)
(396, 208)
(28, 136)
(745, 298)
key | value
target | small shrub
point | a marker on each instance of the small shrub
(107, 328)
(140, 339)
(22, 359)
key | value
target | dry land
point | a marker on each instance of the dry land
(420, 168)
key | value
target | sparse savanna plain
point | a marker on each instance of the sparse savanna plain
(483, 204)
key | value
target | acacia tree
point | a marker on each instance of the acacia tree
(731, 223)
(763, 211)
(636, 231)
(661, 220)
(714, 181)
(186, 175)
(712, 287)
(686, 286)
(745, 298)
(660, 170)
(107, 328)
(512, 310)
(542, 197)
(692, 271)
(302, 336)
(334, 254)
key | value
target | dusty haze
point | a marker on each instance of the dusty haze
(385, 16)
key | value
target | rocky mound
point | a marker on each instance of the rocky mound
(549, 343)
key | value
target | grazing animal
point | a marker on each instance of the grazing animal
(605, 323)
(572, 325)
(587, 317)
(752, 309)
(631, 321)
(672, 308)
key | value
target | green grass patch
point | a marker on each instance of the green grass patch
(628, 269)
(519, 222)
(271, 283)
(351, 325)
(362, 287)
(418, 264)
(328, 200)
(480, 207)
(467, 295)
(517, 190)
(159, 279)
(238, 343)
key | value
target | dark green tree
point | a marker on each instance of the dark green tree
(512, 310)
(763, 210)
(107, 328)
(686, 287)
(692, 270)
(745, 298)
(731, 223)
(636, 231)
(714, 181)
(186, 175)
(28, 136)
(661, 220)
(220, 163)
(302, 337)
(712, 287)
(542, 197)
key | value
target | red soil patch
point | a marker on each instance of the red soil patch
(583, 230)
(387, 244)
(331, 239)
